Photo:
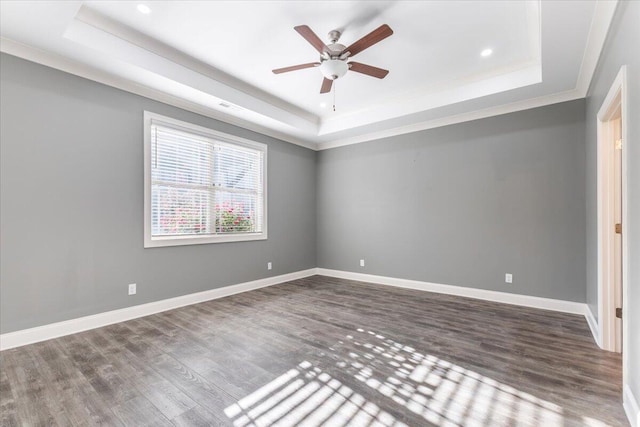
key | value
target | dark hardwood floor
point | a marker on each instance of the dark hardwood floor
(320, 351)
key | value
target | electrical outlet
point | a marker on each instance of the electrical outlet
(269, 266)
(508, 278)
(132, 289)
(361, 263)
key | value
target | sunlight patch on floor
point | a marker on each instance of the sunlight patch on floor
(399, 377)
(441, 392)
(307, 396)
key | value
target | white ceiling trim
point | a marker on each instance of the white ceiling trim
(602, 17)
(421, 99)
(97, 31)
(438, 97)
(78, 69)
(600, 25)
(459, 118)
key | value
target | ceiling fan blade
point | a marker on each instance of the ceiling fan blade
(326, 85)
(368, 70)
(312, 38)
(375, 36)
(295, 67)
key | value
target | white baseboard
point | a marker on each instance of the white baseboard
(67, 327)
(72, 326)
(631, 407)
(593, 325)
(629, 401)
(503, 297)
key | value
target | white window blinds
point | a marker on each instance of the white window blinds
(203, 186)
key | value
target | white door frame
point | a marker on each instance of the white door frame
(615, 100)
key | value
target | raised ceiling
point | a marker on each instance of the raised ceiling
(216, 58)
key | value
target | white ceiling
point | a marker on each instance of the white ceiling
(422, 53)
(199, 54)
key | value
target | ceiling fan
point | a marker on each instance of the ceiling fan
(333, 58)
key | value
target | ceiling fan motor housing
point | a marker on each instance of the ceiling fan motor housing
(336, 49)
(332, 65)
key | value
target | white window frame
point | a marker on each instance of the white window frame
(161, 241)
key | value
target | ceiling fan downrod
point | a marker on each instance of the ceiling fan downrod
(334, 36)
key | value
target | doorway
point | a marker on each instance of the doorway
(616, 175)
(612, 219)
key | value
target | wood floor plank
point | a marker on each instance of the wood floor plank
(113, 387)
(321, 351)
(138, 411)
(165, 396)
(198, 417)
(82, 404)
(28, 385)
(8, 416)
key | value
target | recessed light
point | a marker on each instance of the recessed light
(323, 105)
(143, 8)
(486, 52)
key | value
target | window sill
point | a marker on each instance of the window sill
(157, 242)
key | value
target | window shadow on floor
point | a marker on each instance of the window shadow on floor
(427, 388)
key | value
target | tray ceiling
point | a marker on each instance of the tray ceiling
(216, 58)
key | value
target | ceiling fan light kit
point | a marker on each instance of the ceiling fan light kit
(333, 58)
(333, 69)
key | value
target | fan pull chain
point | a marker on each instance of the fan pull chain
(334, 95)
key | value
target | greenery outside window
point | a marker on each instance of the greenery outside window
(201, 186)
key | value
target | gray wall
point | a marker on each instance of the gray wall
(459, 205)
(620, 49)
(71, 217)
(463, 204)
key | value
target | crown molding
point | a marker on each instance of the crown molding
(97, 31)
(440, 95)
(76, 68)
(600, 25)
(455, 119)
(601, 22)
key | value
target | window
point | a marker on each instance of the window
(201, 186)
